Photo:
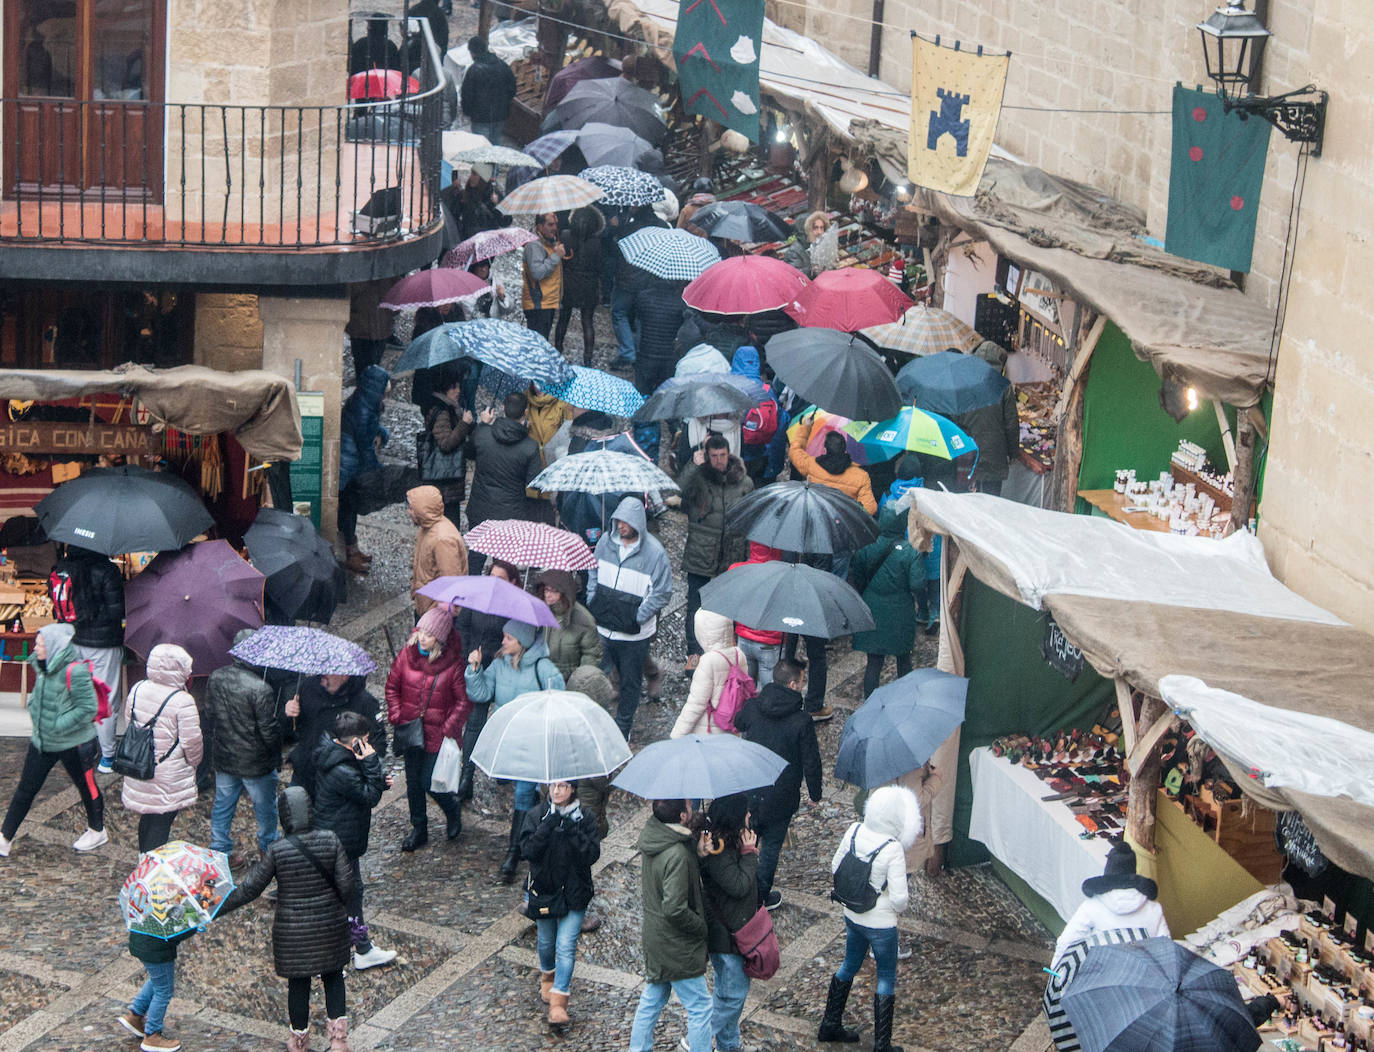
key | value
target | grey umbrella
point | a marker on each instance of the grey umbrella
(617, 102)
(788, 597)
(694, 395)
(802, 517)
(899, 727)
(699, 767)
(550, 735)
(834, 371)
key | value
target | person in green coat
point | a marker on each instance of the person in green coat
(890, 573)
(62, 708)
(674, 926)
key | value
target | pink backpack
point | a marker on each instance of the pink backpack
(739, 688)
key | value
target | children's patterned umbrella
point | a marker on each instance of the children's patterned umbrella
(548, 148)
(500, 155)
(601, 471)
(488, 245)
(175, 888)
(624, 186)
(913, 431)
(674, 255)
(594, 389)
(552, 193)
(503, 345)
(525, 543)
(309, 651)
(432, 288)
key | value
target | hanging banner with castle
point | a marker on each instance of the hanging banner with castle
(956, 98)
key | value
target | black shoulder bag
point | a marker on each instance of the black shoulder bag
(136, 756)
(411, 734)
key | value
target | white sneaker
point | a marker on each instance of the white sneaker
(4, 848)
(90, 840)
(374, 957)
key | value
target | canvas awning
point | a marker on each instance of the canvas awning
(1280, 654)
(258, 407)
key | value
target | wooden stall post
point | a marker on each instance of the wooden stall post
(1243, 478)
(708, 131)
(1068, 446)
(484, 16)
(1143, 795)
(818, 174)
(552, 35)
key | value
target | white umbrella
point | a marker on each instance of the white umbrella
(601, 471)
(550, 736)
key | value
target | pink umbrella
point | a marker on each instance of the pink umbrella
(430, 288)
(487, 245)
(745, 285)
(847, 300)
(379, 84)
(525, 543)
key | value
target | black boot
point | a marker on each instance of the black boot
(418, 837)
(465, 783)
(883, 1006)
(453, 812)
(512, 859)
(832, 1023)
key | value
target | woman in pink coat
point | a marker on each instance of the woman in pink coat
(163, 701)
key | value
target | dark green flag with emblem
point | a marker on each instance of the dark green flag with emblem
(716, 47)
(1215, 175)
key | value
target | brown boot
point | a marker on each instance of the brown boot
(558, 1009)
(299, 1041)
(545, 985)
(337, 1029)
(355, 561)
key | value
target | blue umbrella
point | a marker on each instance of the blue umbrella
(1154, 995)
(503, 345)
(429, 349)
(950, 383)
(593, 389)
(700, 767)
(900, 726)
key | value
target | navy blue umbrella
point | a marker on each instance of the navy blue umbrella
(950, 383)
(900, 726)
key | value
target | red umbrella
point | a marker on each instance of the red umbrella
(430, 288)
(848, 300)
(381, 84)
(745, 285)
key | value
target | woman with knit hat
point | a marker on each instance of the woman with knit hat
(426, 684)
(522, 666)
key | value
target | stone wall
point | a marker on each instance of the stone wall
(228, 331)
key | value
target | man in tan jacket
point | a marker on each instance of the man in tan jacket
(439, 547)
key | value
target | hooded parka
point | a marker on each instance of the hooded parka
(177, 744)
(707, 494)
(439, 547)
(639, 569)
(716, 634)
(61, 718)
(775, 720)
(846, 476)
(674, 924)
(435, 688)
(890, 571)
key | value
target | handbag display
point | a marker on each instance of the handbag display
(136, 756)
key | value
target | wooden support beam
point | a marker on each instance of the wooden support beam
(1243, 474)
(1226, 439)
(1147, 742)
(1068, 446)
(1126, 706)
(1143, 795)
(1079, 367)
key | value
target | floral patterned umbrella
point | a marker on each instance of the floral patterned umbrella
(525, 543)
(309, 651)
(488, 245)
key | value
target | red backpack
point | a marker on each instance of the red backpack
(60, 591)
(760, 423)
(102, 691)
(739, 688)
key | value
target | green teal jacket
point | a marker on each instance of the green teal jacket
(62, 719)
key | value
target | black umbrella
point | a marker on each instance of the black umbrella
(124, 509)
(787, 597)
(835, 371)
(694, 395)
(740, 221)
(802, 517)
(614, 101)
(304, 580)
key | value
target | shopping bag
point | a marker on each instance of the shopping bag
(448, 768)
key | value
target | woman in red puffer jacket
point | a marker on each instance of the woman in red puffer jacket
(426, 682)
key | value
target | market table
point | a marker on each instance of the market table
(1114, 505)
(1038, 841)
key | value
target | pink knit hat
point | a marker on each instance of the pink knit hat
(437, 622)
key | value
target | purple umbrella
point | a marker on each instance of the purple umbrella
(309, 651)
(198, 598)
(490, 595)
(597, 67)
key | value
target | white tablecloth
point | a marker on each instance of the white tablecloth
(1037, 841)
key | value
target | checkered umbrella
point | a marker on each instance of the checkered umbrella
(500, 155)
(601, 471)
(923, 330)
(547, 148)
(525, 543)
(511, 348)
(1061, 1030)
(624, 186)
(594, 389)
(487, 245)
(674, 255)
(552, 193)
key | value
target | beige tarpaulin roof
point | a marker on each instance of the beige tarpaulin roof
(1307, 666)
(258, 407)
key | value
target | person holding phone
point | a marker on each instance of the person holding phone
(729, 882)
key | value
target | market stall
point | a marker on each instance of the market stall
(1057, 620)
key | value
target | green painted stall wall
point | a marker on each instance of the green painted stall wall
(1011, 691)
(1197, 879)
(1123, 424)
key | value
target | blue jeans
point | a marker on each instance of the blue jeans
(771, 838)
(493, 130)
(695, 999)
(762, 658)
(622, 303)
(727, 1000)
(858, 939)
(228, 788)
(156, 994)
(558, 946)
(526, 795)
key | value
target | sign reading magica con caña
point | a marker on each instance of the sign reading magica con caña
(52, 437)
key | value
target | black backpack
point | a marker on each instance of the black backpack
(854, 877)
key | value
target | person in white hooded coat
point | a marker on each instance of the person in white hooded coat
(891, 824)
(163, 702)
(717, 637)
(1120, 900)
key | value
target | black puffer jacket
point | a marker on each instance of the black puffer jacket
(98, 595)
(488, 87)
(507, 458)
(729, 882)
(561, 849)
(775, 720)
(241, 714)
(318, 711)
(346, 791)
(310, 926)
(659, 311)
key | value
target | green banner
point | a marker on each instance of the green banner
(1215, 174)
(716, 47)
(307, 472)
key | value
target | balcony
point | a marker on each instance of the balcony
(230, 195)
